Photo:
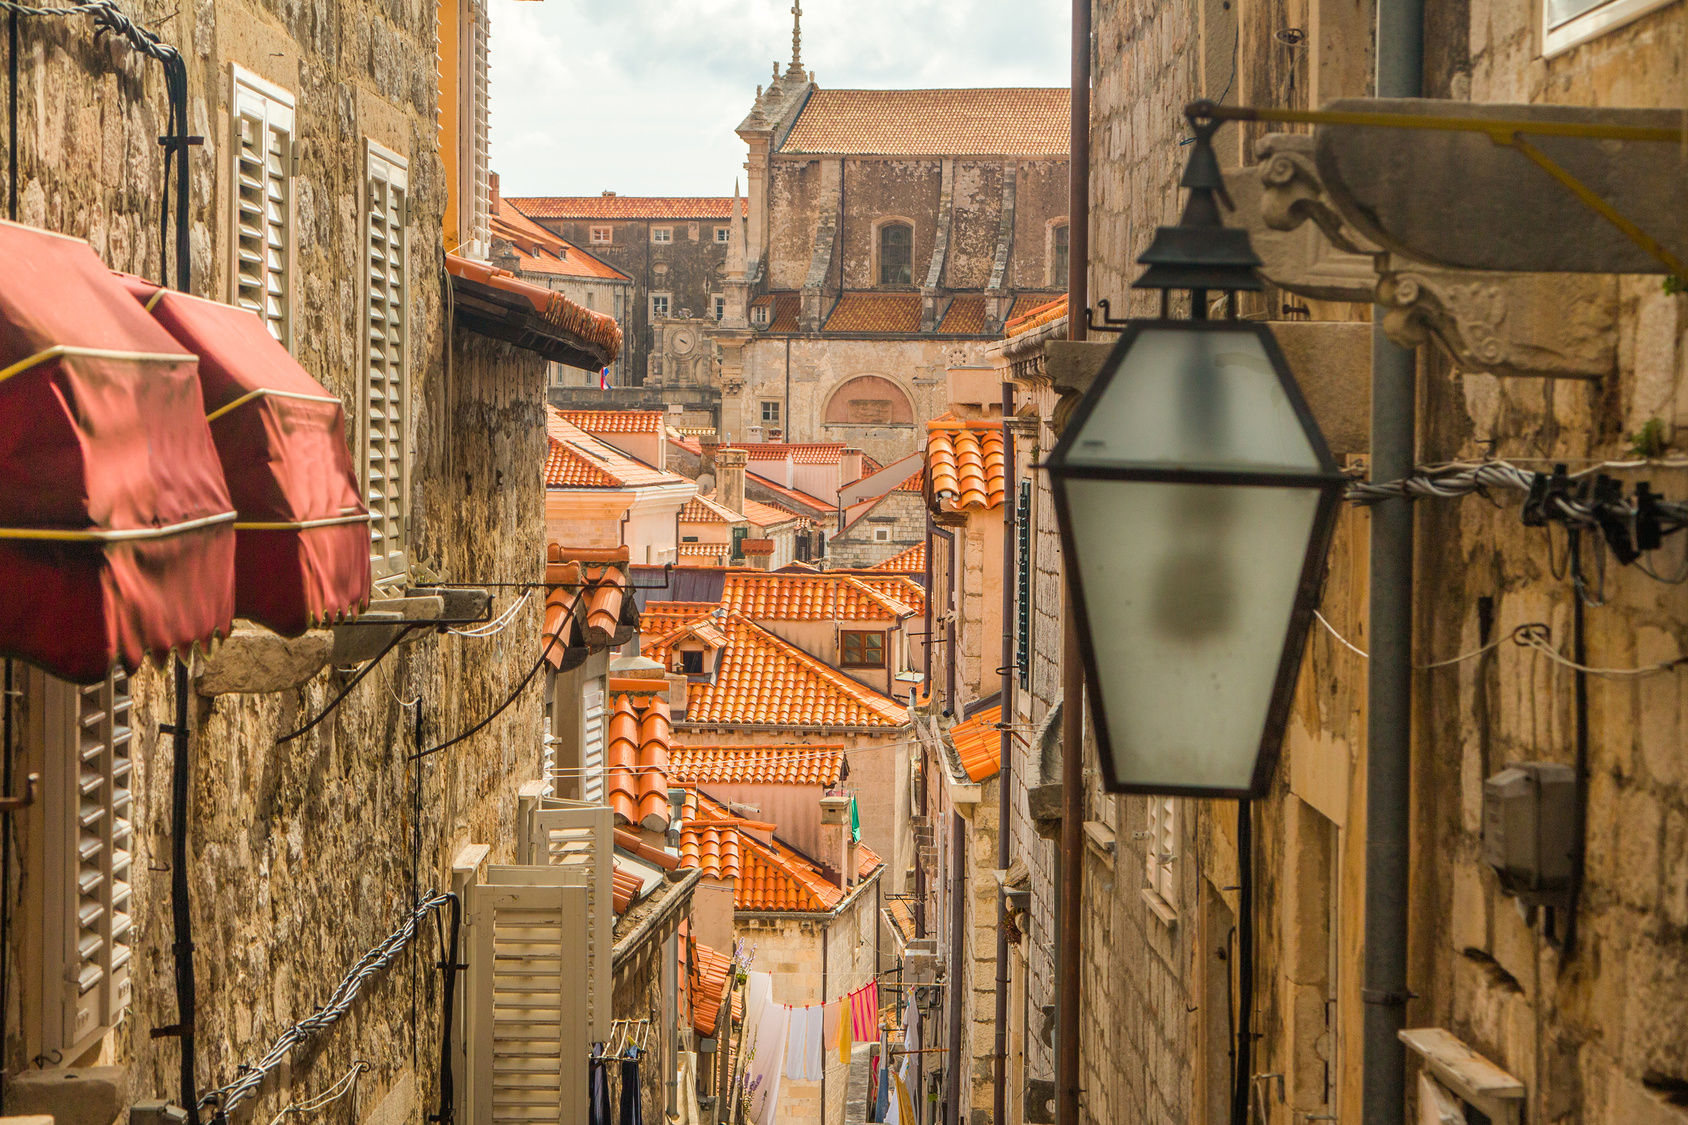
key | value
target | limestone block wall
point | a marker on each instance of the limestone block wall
(904, 513)
(879, 188)
(1040, 200)
(975, 223)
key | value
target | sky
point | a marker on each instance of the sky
(641, 97)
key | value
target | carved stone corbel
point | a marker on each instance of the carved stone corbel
(1519, 324)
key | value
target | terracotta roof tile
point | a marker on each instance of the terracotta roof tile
(637, 758)
(966, 462)
(1027, 303)
(809, 505)
(626, 887)
(978, 744)
(762, 680)
(916, 483)
(705, 554)
(576, 459)
(875, 312)
(626, 206)
(777, 878)
(801, 452)
(911, 561)
(898, 589)
(710, 977)
(964, 317)
(901, 912)
(615, 421)
(541, 251)
(769, 515)
(658, 618)
(973, 122)
(704, 509)
(582, 323)
(756, 765)
(1035, 317)
(809, 597)
(756, 548)
(787, 307)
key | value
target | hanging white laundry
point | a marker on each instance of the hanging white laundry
(814, 1044)
(796, 1044)
(764, 1064)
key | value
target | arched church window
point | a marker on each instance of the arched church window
(896, 254)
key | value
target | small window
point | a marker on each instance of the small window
(600, 236)
(881, 535)
(662, 234)
(740, 534)
(721, 234)
(691, 662)
(1058, 257)
(688, 539)
(759, 314)
(659, 304)
(1565, 23)
(770, 413)
(863, 650)
(720, 307)
(896, 254)
(1160, 864)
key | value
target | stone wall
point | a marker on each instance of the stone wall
(904, 513)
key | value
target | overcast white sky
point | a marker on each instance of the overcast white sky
(641, 97)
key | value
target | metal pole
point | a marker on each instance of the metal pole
(953, 1075)
(999, 1102)
(1389, 680)
(1078, 178)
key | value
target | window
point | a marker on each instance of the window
(691, 662)
(804, 546)
(881, 535)
(262, 272)
(863, 650)
(87, 819)
(688, 539)
(722, 233)
(1023, 584)
(770, 413)
(740, 534)
(1058, 258)
(659, 305)
(896, 254)
(1160, 864)
(1565, 23)
(720, 307)
(662, 234)
(386, 399)
(759, 314)
(599, 236)
(474, 198)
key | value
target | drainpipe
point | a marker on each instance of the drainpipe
(1067, 965)
(958, 918)
(1004, 779)
(1389, 679)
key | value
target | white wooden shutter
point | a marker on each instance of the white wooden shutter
(387, 386)
(88, 843)
(261, 275)
(1161, 865)
(526, 999)
(474, 167)
(583, 837)
(592, 746)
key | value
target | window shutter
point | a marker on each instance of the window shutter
(1023, 579)
(476, 181)
(262, 271)
(525, 1017)
(592, 758)
(387, 388)
(1161, 865)
(583, 837)
(86, 900)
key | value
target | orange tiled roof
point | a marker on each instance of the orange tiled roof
(627, 206)
(625, 887)
(787, 307)
(978, 744)
(976, 122)
(898, 588)
(576, 459)
(813, 504)
(582, 323)
(756, 765)
(658, 618)
(605, 590)
(1035, 317)
(766, 596)
(615, 421)
(638, 756)
(901, 912)
(911, 561)
(541, 251)
(711, 847)
(756, 547)
(800, 452)
(875, 312)
(762, 680)
(768, 515)
(716, 551)
(966, 461)
(704, 509)
(1027, 303)
(767, 876)
(916, 483)
(964, 317)
(704, 627)
(711, 975)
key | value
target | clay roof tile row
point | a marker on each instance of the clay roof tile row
(637, 757)
(911, 561)
(810, 597)
(978, 744)
(966, 462)
(757, 765)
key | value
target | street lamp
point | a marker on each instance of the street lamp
(1196, 500)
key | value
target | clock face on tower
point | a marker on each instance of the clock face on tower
(684, 340)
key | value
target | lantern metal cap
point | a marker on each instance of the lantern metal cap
(1201, 252)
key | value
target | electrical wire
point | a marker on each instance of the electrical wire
(498, 624)
(334, 1093)
(1346, 643)
(1532, 635)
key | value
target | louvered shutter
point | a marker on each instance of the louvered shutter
(89, 840)
(262, 270)
(583, 837)
(387, 387)
(474, 168)
(526, 998)
(592, 756)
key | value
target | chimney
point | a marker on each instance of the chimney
(850, 467)
(492, 189)
(835, 837)
(729, 478)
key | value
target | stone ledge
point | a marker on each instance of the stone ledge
(92, 1095)
(253, 661)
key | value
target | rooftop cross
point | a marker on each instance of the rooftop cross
(797, 37)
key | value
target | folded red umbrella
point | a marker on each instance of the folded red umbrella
(302, 539)
(116, 529)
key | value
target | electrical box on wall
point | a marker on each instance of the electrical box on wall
(1529, 829)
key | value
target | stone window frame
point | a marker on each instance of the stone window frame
(667, 300)
(863, 659)
(1585, 26)
(592, 233)
(881, 535)
(879, 225)
(770, 412)
(761, 316)
(723, 234)
(1056, 279)
(662, 235)
(718, 302)
(1161, 866)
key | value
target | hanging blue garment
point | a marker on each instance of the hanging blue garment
(632, 1111)
(882, 1104)
(598, 1087)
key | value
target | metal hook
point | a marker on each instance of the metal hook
(17, 804)
(1090, 322)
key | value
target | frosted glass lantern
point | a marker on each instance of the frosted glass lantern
(1196, 499)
